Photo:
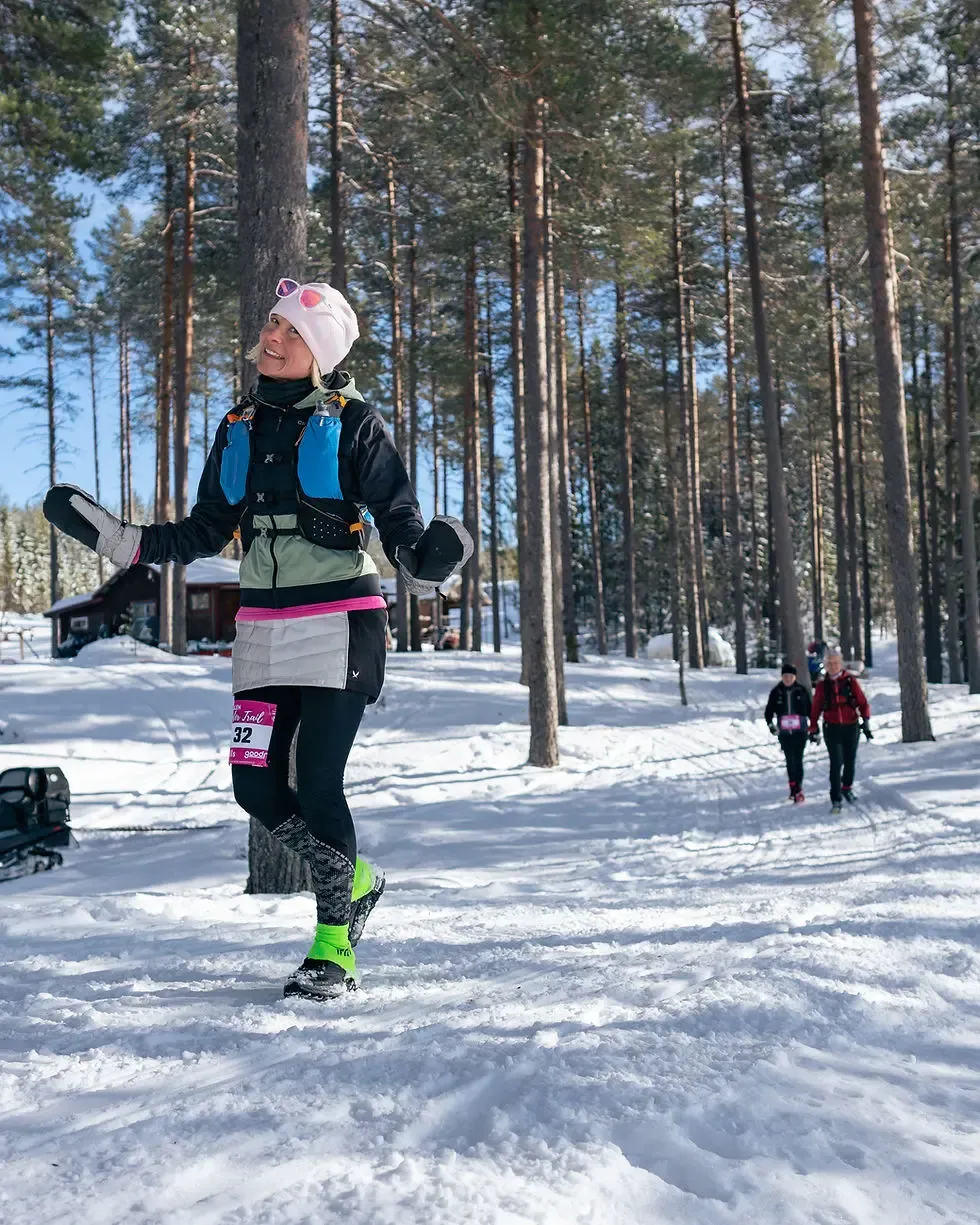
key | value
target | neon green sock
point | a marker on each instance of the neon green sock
(363, 879)
(332, 943)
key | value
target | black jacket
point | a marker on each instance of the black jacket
(788, 700)
(371, 474)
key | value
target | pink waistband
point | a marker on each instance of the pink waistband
(360, 603)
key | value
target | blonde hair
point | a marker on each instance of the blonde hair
(315, 376)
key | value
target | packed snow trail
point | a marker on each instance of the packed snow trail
(640, 988)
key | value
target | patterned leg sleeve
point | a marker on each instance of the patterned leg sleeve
(293, 834)
(333, 877)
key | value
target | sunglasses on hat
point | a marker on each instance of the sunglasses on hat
(309, 299)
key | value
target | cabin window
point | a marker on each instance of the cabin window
(200, 601)
(79, 623)
(143, 608)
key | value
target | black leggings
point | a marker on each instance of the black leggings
(793, 746)
(842, 746)
(328, 720)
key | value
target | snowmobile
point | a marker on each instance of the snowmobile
(34, 814)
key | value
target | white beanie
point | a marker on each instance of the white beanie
(323, 317)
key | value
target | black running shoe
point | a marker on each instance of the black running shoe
(850, 797)
(319, 980)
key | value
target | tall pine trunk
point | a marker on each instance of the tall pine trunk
(164, 423)
(952, 593)
(273, 101)
(688, 548)
(558, 589)
(934, 645)
(674, 567)
(968, 535)
(525, 580)
(489, 384)
(569, 622)
(816, 539)
(626, 451)
(338, 257)
(694, 464)
(850, 499)
(182, 415)
(891, 391)
(925, 567)
(415, 615)
(868, 654)
(95, 433)
(536, 589)
(395, 358)
(590, 477)
(471, 595)
(731, 388)
(792, 634)
(50, 392)
(836, 440)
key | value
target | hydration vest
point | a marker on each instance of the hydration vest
(323, 515)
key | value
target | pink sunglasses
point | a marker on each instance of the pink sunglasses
(308, 298)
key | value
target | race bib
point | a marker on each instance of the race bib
(251, 731)
(790, 723)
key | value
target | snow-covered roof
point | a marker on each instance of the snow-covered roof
(207, 571)
(71, 601)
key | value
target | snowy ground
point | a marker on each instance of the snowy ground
(640, 989)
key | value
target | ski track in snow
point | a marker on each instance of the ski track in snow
(640, 988)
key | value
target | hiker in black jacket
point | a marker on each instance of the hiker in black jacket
(788, 714)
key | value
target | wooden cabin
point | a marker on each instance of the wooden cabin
(129, 602)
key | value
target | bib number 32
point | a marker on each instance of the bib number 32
(251, 732)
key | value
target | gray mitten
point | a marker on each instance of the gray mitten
(443, 549)
(75, 513)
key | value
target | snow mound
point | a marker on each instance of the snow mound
(720, 653)
(120, 650)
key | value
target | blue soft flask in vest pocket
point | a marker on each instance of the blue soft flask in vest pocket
(317, 467)
(234, 462)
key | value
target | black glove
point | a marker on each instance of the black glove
(866, 728)
(815, 737)
(75, 513)
(443, 548)
(772, 729)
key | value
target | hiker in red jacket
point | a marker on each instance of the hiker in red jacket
(841, 701)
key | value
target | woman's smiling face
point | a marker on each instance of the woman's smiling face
(283, 353)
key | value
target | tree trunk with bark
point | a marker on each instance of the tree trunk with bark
(488, 385)
(396, 358)
(338, 255)
(525, 579)
(968, 534)
(836, 440)
(952, 594)
(50, 392)
(414, 613)
(850, 500)
(182, 415)
(673, 536)
(166, 611)
(925, 567)
(788, 597)
(602, 645)
(626, 443)
(273, 102)
(536, 595)
(891, 392)
(569, 620)
(557, 596)
(731, 387)
(471, 607)
(694, 465)
(816, 539)
(934, 644)
(865, 539)
(95, 433)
